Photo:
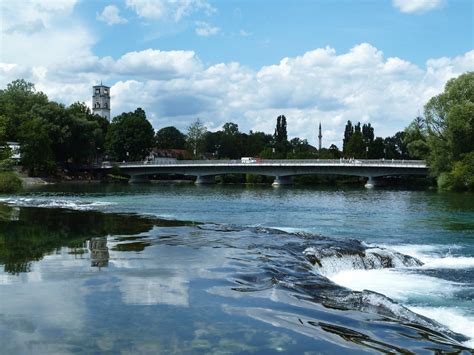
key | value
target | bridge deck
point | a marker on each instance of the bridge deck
(273, 163)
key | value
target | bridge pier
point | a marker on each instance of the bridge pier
(371, 183)
(139, 179)
(283, 180)
(205, 179)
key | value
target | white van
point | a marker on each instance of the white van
(248, 160)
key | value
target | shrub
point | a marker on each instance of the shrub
(9, 182)
(461, 176)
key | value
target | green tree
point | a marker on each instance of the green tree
(376, 149)
(16, 101)
(280, 137)
(395, 147)
(300, 149)
(368, 133)
(88, 132)
(415, 139)
(256, 143)
(449, 121)
(130, 136)
(348, 132)
(356, 148)
(36, 147)
(170, 138)
(195, 138)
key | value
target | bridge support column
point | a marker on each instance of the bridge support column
(139, 179)
(205, 179)
(283, 180)
(371, 183)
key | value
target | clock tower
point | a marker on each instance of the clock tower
(101, 100)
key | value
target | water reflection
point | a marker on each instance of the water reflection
(99, 252)
(28, 234)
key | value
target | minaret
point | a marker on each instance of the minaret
(320, 137)
(101, 100)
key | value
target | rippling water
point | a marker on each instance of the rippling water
(219, 269)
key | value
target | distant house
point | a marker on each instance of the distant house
(161, 155)
(15, 148)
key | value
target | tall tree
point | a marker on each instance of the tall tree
(130, 136)
(170, 138)
(356, 147)
(416, 139)
(368, 133)
(36, 146)
(281, 136)
(348, 132)
(449, 120)
(195, 138)
(16, 102)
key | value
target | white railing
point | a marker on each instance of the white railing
(274, 162)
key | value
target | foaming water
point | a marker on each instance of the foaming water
(452, 317)
(74, 204)
(416, 290)
(396, 284)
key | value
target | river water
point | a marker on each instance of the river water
(235, 269)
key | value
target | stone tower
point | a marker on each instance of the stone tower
(320, 136)
(101, 100)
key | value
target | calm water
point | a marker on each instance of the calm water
(219, 269)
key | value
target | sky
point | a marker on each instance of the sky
(246, 62)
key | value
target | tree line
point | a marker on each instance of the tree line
(54, 136)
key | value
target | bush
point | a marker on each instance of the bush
(9, 182)
(461, 176)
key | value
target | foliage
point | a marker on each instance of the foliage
(449, 120)
(196, 138)
(348, 132)
(130, 136)
(280, 137)
(36, 146)
(9, 182)
(300, 149)
(395, 147)
(356, 147)
(51, 135)
(16, 101)
(415, 139)
(170, 138)
(461, 176)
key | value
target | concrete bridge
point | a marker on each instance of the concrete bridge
(282, 170)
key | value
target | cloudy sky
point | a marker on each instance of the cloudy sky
(247, 61)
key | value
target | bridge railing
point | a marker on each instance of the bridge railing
(272, 162)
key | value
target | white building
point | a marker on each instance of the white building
(101, 100)
(15, 148)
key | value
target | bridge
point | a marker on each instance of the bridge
(282, 170)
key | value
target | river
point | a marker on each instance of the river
(177, 268)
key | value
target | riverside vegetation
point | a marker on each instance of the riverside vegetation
(57, 139)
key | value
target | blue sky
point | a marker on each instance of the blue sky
(277, 29)
(372, 61)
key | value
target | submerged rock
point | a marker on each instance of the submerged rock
(331, 258)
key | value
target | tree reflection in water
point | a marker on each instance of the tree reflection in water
(27, 234)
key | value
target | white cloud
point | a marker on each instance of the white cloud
(28, 16)
(33, 32)
(175, 87)
(205, 29)
(111, 16)
(244, 33)
(165, 9)
(417, 6)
